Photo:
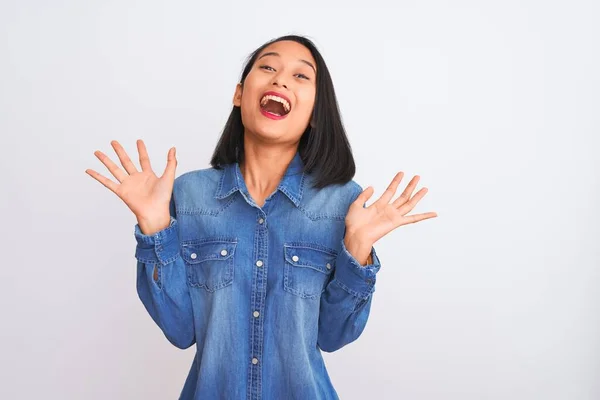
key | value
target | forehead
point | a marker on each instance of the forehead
(289, 50)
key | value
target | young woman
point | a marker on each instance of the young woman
(266, 259)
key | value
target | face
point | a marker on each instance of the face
(278, 95)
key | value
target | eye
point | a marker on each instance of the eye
(268, 68)
(302, 76)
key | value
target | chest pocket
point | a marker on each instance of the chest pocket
(209, 263)
(307, 269)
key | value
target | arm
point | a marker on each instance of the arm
(162, 283)
(346, 302)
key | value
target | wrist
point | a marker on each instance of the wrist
(359, 248)
(149, 226)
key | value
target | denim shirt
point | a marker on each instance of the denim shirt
(261, 291)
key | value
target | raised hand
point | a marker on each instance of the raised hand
(146, 195)
(366, 225)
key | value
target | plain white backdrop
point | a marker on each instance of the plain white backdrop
(494, 104)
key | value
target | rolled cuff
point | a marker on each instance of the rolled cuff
(161, 247)
(356, 279)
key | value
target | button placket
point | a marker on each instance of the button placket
(259, 284)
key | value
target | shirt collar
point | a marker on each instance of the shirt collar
(292, 183)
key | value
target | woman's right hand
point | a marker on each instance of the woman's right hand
(146, 195)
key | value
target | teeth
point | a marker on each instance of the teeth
(283, 101)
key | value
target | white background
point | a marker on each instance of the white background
(494, 104)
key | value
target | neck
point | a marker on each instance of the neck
(264, 166)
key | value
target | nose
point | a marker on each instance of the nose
(277, 81)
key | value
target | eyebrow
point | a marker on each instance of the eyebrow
(274, 53)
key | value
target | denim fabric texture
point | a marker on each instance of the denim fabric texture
(260, 291)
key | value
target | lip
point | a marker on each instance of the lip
(273, 93)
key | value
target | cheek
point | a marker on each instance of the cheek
(306, 103)
(246, 104)
(249, 106)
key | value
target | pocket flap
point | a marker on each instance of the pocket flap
(198, 251)
(310, 256)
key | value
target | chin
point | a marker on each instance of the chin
(269, 133)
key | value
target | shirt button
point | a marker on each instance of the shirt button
(295, 258)
(260, 221)
(255, 361)
(193, 256)
(259, 263)
(328, 266)
(256, 314)
(223, 252)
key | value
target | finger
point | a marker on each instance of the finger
(390, 191)
(124, 158)
(144, 159)
(405, 196)
(364, 196)
(409, 205)
(411, 219)
(112, 167)
(171, 165)
(103, 180)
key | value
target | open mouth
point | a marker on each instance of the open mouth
(274, 105)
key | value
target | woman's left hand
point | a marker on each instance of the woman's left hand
(366, 225)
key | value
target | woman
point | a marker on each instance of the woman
(266, 258)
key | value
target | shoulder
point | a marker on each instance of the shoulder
(198, 176)
(194, 191)
(349, 190)
(331, 201)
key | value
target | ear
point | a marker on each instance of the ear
(237, 96)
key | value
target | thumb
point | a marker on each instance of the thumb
(171, 165)
(365, 195)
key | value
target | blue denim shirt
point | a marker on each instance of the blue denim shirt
(261, 291)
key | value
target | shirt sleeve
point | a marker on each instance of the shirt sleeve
(162, 282)
(358, 280)
(346, 301)
(161, 247)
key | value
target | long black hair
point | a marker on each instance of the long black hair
(324, 146)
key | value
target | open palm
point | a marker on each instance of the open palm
(375, 221)
(146, 194)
